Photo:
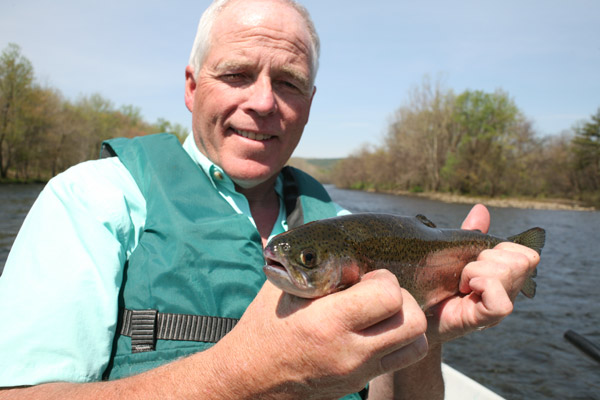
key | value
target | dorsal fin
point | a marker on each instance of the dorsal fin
(425, 221)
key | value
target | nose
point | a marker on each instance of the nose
(261, 98)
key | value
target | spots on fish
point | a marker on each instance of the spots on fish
(426, 260)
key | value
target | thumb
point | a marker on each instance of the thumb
(477, 219)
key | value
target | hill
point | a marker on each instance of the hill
(319, 168)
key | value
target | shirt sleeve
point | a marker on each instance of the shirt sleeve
(340, 211)
(60, 285)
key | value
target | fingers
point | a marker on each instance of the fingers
(405, 356)
(489, 286)
(511, 264)
(339, 341)
(494, 300)
(375, 298)
(477, 219)
(401, 337)
(387, 322)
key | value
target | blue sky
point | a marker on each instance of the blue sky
(544, 53)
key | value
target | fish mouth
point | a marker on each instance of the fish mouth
(278, 273)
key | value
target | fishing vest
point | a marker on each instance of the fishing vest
(198, 263)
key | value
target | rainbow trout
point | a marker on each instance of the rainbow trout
(329, 255)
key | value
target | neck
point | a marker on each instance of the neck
(264, 206)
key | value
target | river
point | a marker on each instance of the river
(526, 356)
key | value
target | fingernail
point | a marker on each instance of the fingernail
(407, 355)
(421, 346)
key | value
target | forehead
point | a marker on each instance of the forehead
(261, 23)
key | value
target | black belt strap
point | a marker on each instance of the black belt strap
(291, 198)
(146, 326)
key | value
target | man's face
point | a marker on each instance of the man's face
(251, 99)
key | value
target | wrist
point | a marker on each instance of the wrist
(422, 380)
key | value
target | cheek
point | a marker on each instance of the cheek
(207, 119)
(293, 121)
(350, 275)
(213, 102)
(298, 112)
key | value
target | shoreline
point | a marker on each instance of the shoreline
(513, 202)
(523, 203)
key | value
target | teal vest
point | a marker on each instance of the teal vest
(196, 255)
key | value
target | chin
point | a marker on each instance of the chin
(252, 174)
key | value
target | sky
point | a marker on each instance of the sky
(544, 53)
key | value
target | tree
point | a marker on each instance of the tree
(162, 125)
(42, 134)
(40, 116)
(487, 125)
(16, 80)
(586, 147)
(421, 136)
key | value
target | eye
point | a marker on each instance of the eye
(308, 258)
(234, 77)
(289, 85)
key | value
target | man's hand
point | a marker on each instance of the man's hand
(328, 347)
(488, 286)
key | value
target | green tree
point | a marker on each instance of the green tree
(16, 82)
(42, 134)
(554, 166)
(487, 125)
(586, 147)
(40, 118)
(162, 125)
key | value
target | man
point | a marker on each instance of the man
(182, 236)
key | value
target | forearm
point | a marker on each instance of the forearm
(148, 385)
(194, 377)
(283, 348)
(422, 380)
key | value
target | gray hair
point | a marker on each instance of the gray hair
(202, 42)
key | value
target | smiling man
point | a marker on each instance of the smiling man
(250, 98)
(139, 276)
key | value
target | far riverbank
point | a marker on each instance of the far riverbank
(535, 204)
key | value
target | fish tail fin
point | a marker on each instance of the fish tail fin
(529, 287)
(534, 238)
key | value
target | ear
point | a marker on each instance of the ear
(190, 87)
(312, 96)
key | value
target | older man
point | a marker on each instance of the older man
(117, 249)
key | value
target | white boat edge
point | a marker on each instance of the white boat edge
(461, 387)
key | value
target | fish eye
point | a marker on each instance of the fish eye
(308, 258)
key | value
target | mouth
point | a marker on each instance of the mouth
(272, 263)
(252, 135)
(280, 276)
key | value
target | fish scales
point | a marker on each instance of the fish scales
(400, 245)
(328, 255)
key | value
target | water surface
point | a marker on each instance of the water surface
(15, 202)
(526, 356)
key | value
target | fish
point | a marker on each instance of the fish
(329, 255)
